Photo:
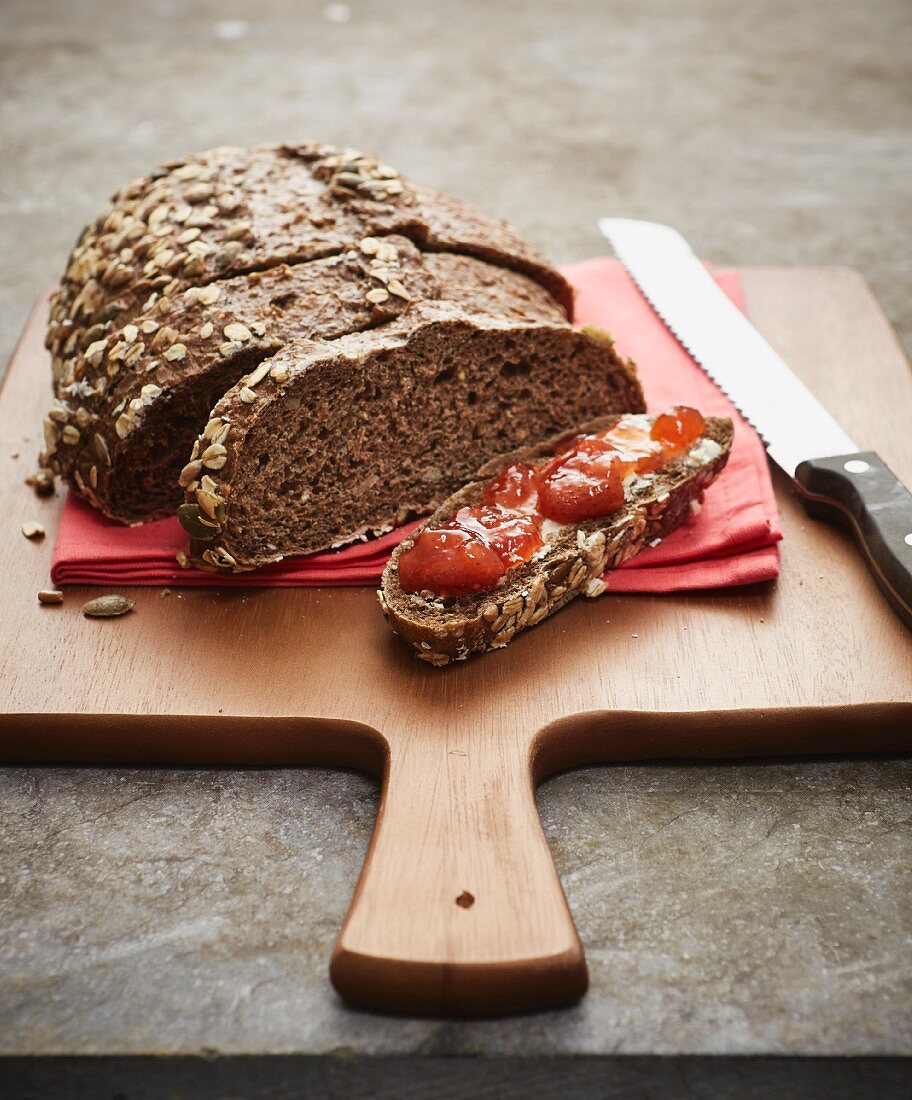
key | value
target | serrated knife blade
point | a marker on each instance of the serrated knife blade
(792, 422)
(835, 480)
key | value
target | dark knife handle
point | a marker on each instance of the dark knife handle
(863, 493)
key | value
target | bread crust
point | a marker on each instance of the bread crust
(441, 631)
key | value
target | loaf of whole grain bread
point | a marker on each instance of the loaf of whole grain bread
(572, 562)
(199, 274)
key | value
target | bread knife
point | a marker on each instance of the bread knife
(835, 481)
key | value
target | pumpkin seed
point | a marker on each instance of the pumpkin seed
(107, 607)
(195, 524)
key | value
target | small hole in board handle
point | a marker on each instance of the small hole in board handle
(465, 900)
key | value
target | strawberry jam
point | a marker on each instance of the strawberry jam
(513, 536)
(585, 480)
(514, 488)
(678, 429)
(450, 562)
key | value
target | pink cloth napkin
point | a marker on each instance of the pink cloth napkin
(732, 541)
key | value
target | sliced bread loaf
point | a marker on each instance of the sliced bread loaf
(330, 440)
(124, 447)
(570, 564)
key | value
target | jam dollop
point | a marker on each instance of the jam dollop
(584, 480)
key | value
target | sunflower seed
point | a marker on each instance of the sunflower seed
(208, 502)
(247, 395)
(33, 530)
(238, 231)
(199, 192)
(50, 595)
(377, 296)
(101, 449)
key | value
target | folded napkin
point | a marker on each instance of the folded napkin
(732, 541)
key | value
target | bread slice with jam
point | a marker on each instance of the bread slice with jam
(431, 603)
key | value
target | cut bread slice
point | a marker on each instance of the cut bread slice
(331, 440)
(125, 446)
(570, 564)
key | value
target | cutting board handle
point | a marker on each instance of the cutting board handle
(459, 910)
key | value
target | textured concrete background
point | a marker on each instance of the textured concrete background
(767, 131)
(730, 909)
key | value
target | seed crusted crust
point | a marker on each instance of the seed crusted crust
(156, 363)
(441, 631)
(109, 438)
(231, 211)
(223, 472)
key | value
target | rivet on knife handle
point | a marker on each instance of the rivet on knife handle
(861, 491)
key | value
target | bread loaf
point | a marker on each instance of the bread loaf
(213, 265)
(571, 564)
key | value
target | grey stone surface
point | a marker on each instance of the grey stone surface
(767, 131)
(742, 909)
(739, 909)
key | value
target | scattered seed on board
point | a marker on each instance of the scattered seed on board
(50, 595)
(33, 530)
(107, 607)
(42, 481)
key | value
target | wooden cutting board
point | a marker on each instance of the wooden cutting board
(459, 909)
